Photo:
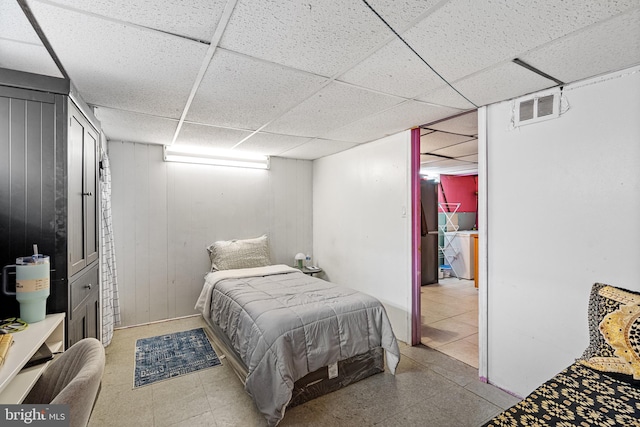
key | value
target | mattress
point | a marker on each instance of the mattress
(284, 324)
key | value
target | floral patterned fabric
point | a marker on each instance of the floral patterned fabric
(577, 396)
(614, 331)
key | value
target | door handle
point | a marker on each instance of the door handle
(88, 194)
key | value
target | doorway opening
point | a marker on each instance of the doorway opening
(449, 297)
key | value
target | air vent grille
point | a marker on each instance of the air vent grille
(536, 108)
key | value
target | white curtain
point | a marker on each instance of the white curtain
(110, 299)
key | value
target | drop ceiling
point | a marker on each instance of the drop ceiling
(450, 146)
(306, 79)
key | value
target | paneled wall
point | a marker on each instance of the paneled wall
(27, 186)
(362, 223)
(166, 214)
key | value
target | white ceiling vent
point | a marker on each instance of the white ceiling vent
(536, 108)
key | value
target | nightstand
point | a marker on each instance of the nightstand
(311, 271)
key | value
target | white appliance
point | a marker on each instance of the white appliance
(463, 261)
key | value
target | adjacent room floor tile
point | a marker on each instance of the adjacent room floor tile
(462, 350)
(450, 318)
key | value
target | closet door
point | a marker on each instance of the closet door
(75, 176)
(83, 192)
(90, 198)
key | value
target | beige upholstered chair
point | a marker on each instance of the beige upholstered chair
(73, 378)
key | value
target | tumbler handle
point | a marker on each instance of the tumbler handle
(4, 279)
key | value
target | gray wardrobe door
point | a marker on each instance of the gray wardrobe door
(91, 189)
(77, 255)
(83, 192)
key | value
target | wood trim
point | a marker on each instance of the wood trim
(24, 80)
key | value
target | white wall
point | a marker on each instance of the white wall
(563, 206)
(362, 223)
(165, 214)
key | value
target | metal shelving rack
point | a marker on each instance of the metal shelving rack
(448, 251)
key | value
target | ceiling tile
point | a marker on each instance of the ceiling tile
(271, 144)
(210, 136)
(317, 148)
(446, 96)
(472, 158)
(435, 141)
(121, 125)
(122, 67)
(454, 39)
(503, 82)
(320, 36)
(20, 46)
(401, 117)
(401, 13)
(27, 57)
(425, 158)
(609, 46)
(459, 150)
(394, 69)
(335, 105)
(448, 163)
(195, 19)
(239, 91)
(464, 124)
(14, 25)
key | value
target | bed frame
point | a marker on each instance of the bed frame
(314, 384)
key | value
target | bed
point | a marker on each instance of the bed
(602, 388)
(290, 337)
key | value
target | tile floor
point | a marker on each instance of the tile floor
(450, 318)
(429, 389)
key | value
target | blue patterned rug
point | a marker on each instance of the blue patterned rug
(168, 356)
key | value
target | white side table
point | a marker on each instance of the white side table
(15, 382)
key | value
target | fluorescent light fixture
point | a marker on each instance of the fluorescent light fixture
(429, 175)
(190, 154)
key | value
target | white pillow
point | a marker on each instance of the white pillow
(232, 254)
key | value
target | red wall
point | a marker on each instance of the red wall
(459, 189)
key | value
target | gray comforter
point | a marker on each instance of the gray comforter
(284, 324)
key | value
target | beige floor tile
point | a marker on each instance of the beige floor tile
(178, 399)
(438, 297)
(472, 339)
(447, 310)
(121, 405)
(435, 338)
(205, 419)
(124, 340)
(462, 350)
(470, 301)
(450, 328)
(429, 317)
(450, 318)
(312, 413)
(118, 369)
(169, 327)
(227, 398)
(469, 317)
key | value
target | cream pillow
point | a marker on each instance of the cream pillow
(232, 254)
